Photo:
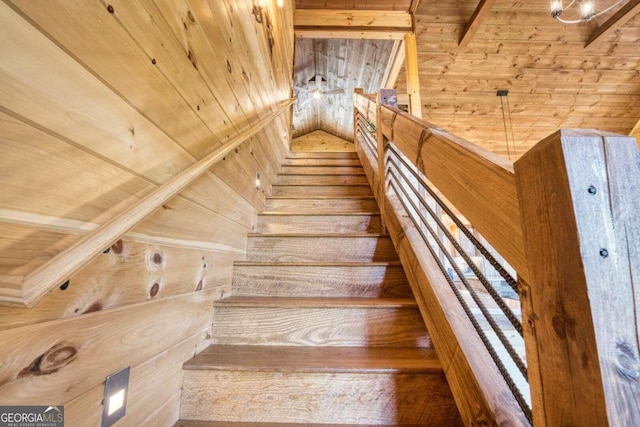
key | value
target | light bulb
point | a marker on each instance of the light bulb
(317, 94)
(587, 9)
(280, 3)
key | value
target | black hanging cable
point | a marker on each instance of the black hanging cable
(504, 123)
(513, 139)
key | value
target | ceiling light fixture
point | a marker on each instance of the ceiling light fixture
(317, 94)
(587, 10)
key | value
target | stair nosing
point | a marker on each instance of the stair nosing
(319, 359)
(318, 263)
(329, 235)
(285, 197)
(318, 213)
(373, 303)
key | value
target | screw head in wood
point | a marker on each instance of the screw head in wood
(604, 253)
(592, 189)
(110, 9)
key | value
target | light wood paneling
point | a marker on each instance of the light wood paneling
(553, 81)
(100, 103)
(345, 64)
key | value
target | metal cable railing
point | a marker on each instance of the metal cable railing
(425, 208)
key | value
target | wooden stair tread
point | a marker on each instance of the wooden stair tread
(317, 263)
(319, 213)
(316, 302)
(316, 359)
(369, 197)
(196, 423)
(307, 235)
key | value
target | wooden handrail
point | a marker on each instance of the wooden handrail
(58, 269)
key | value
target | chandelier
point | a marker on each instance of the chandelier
(587, 10)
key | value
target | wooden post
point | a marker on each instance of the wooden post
(579, 196)
(356, 91)
(382, 176)
(413, 78)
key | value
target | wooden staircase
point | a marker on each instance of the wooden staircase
(322, 326)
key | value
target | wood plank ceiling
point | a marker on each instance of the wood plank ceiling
(470, 49)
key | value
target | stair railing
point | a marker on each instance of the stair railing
(428, 183)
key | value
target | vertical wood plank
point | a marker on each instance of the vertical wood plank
(580, 203)
(413, 78)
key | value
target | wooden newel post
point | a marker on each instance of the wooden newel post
(579, 195)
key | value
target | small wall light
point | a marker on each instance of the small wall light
(257, 180)
(115, 397)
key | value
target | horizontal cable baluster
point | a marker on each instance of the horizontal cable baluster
(492, 292)
(494, 263)
(503, 339)
(485, 340)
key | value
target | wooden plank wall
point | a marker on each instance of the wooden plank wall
(100, 104)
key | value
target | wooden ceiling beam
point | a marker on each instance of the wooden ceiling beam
(617, 20)
(476, 20)
(352, 18)
(396, 61)
(414, 6)
(352, 24)
(342, 33)
(635, 132)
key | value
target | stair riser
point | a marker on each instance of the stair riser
(349, 326)
(322, 191)
(306, 281)
(322, 170)
(416, 399)
(319, 224)
(322, 155)
(341, 249)
(322, 179)
(321, 205)
(322, 162)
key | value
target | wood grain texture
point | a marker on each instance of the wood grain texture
(347, 60)
(455, 166)
(356, 247)
(150, 272)
(320, 161)
(38, 282)
(312, 204)
(583, 268)
(352, 18)
(322, 191)
(323, 398)
(321, 170)
(316, 359)
(320, 279)
(321, 179)
(480, 392)
(353, 325)
(152, 383)
(69, 358)
(299, 152)
(320, 223)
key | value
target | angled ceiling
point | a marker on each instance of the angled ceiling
(552, 79)
(340, 64)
